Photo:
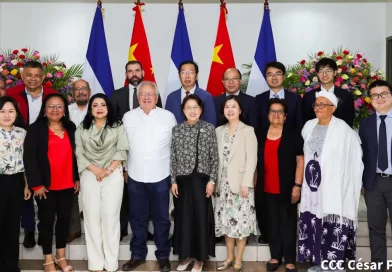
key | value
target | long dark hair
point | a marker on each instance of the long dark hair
(235, 98)
(19, 119)
(65, 121)
(111, 120)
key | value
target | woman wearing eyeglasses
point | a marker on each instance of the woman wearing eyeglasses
(331, 187)
(52, 173)
(279, 180)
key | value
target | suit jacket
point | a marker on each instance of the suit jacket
(242, 158)
(248, 104)
(294, 114)
(290, 146)
(35, 155)
(344, 111)
(120, 101)
(173, 104)
(369, 139)
(19, 94)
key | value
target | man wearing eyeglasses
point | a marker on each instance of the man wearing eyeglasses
(326, 69)
(2, 87)
(375, 132)
(232, 80)
(188, 72)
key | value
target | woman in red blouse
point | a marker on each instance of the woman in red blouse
(52, 173)
(279, 180)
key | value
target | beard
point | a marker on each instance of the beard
(135, 81)
(81, 102)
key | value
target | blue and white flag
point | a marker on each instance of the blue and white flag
(181, 51)
(265, 53)
(97, 71)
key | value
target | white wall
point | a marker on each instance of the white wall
(298, 28)
(388, 13)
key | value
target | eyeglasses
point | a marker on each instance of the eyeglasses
(328, 71)
(377, 96)
(321, 105)
(82, 89)
(57, 106)
(279, 112)
(235, 79)
(187, 72)
(274, 75)
(195, 108)
(147, 94)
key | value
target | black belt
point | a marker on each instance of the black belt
(383, 175)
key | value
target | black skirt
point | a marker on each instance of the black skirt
(194, 229)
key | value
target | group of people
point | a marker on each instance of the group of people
(233, 163)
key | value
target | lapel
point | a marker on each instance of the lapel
(373, 140)
(220, 137)
(237, 139)
(125, 102)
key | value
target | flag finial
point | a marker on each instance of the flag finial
(138, 3)
(99, 3)
(266, 4)
(180, 4)
(223, 5)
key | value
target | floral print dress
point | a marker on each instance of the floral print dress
(235, 216)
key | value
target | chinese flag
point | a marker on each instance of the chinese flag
(139, 49)
(222, 57)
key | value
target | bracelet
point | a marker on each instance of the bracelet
(298, 185)
(212, 182)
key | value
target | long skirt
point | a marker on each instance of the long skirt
(194, 231)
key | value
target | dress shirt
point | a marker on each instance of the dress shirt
(331, 90)
(237, 93)
(76, 115)
(183, 94)
(388, 124)
(35, 104)
(149, 139)
(280, 94)
(11, 151)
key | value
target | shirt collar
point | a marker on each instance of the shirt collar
(40, 94)
(280, 94)
(389, 114)
(192, 91)
(152, 112)
(237, 93)
(331, 90)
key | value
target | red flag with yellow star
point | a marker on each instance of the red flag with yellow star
(222, 57)
(139, 49)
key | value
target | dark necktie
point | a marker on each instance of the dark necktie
(276, 96)
(135, 101)
(382, 145)
(187, 93)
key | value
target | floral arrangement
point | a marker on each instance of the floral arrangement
(354, 74)
(57, 75)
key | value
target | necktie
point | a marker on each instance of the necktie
(135, 101)
(276, 96)
(187, 93)
(382, 145)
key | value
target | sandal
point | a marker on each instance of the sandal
(68, 268)
(237, 269)
(45, 264)
(224, 265)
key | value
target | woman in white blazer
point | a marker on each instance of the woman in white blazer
(235, 214)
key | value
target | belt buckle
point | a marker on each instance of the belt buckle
(385, 175)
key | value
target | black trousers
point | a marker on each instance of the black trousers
(379, 204)
(282, 228)
(261, 212)
(10, 212)
(57, 204)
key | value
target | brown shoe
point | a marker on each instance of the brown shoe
(73, 236)
(132, 264)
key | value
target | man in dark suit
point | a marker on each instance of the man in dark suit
(125, 99)
(375, 132)
(188, 72)
(326, 69)
(231, 80)
(275, 73)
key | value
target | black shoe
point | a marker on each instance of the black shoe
(273, 266)
(124, 233)
(164, 265)
(262, 240)
(173, 213)
(150, 236)
(81, 215)
(29, 240)
(291, 269)
(132, 264)
(219, 240)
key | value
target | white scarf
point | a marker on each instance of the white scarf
(341, 174)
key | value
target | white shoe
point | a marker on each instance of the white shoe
(183, 267)
(198, 270)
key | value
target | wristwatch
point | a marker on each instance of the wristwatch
(212, 182)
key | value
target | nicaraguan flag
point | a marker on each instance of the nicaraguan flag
(265, 53)
(181, 51)
(97, 71)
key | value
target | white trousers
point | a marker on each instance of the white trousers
(101, 210)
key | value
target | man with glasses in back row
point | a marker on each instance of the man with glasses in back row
(326, 70)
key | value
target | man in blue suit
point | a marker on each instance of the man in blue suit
(188, 72)
(231, 80)
(375, 132)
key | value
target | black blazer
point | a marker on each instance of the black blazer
(291, 146)
(35, 156)
(369, 139)
(294, 114)
(120, 101)
(248, 103)
(344, 111)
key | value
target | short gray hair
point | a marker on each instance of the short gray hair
(81, 79)
(146, 82)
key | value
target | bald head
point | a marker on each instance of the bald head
(81, 92)
(231, 80)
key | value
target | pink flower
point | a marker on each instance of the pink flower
(14, 62)
(312, 70)
(58, 74)
(1, 69)
(339, 79)
(363, 86)
(356, 105)
(359, 74)
(344, 86)
(1, 57)
(8, 81)
(337, 84)
(303, 79)
(339, 70)
(50, 61)
(315, 79)
(49, 75)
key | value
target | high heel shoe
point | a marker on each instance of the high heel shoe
(224, 265)
(183, 267)
(197, 270)
(237, 269)
(45, 264)
(68, 268)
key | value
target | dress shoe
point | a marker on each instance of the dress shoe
(132, 264)
(73, 236)
(183, 266)
(150, 236)
(164, 265)
(273, 266)
(124, 233)
(237, 267)
(224, 265)
(81, 215)
(197, 270)
(291, 269)
(219, 240)
(29, 240)
(262, 240)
